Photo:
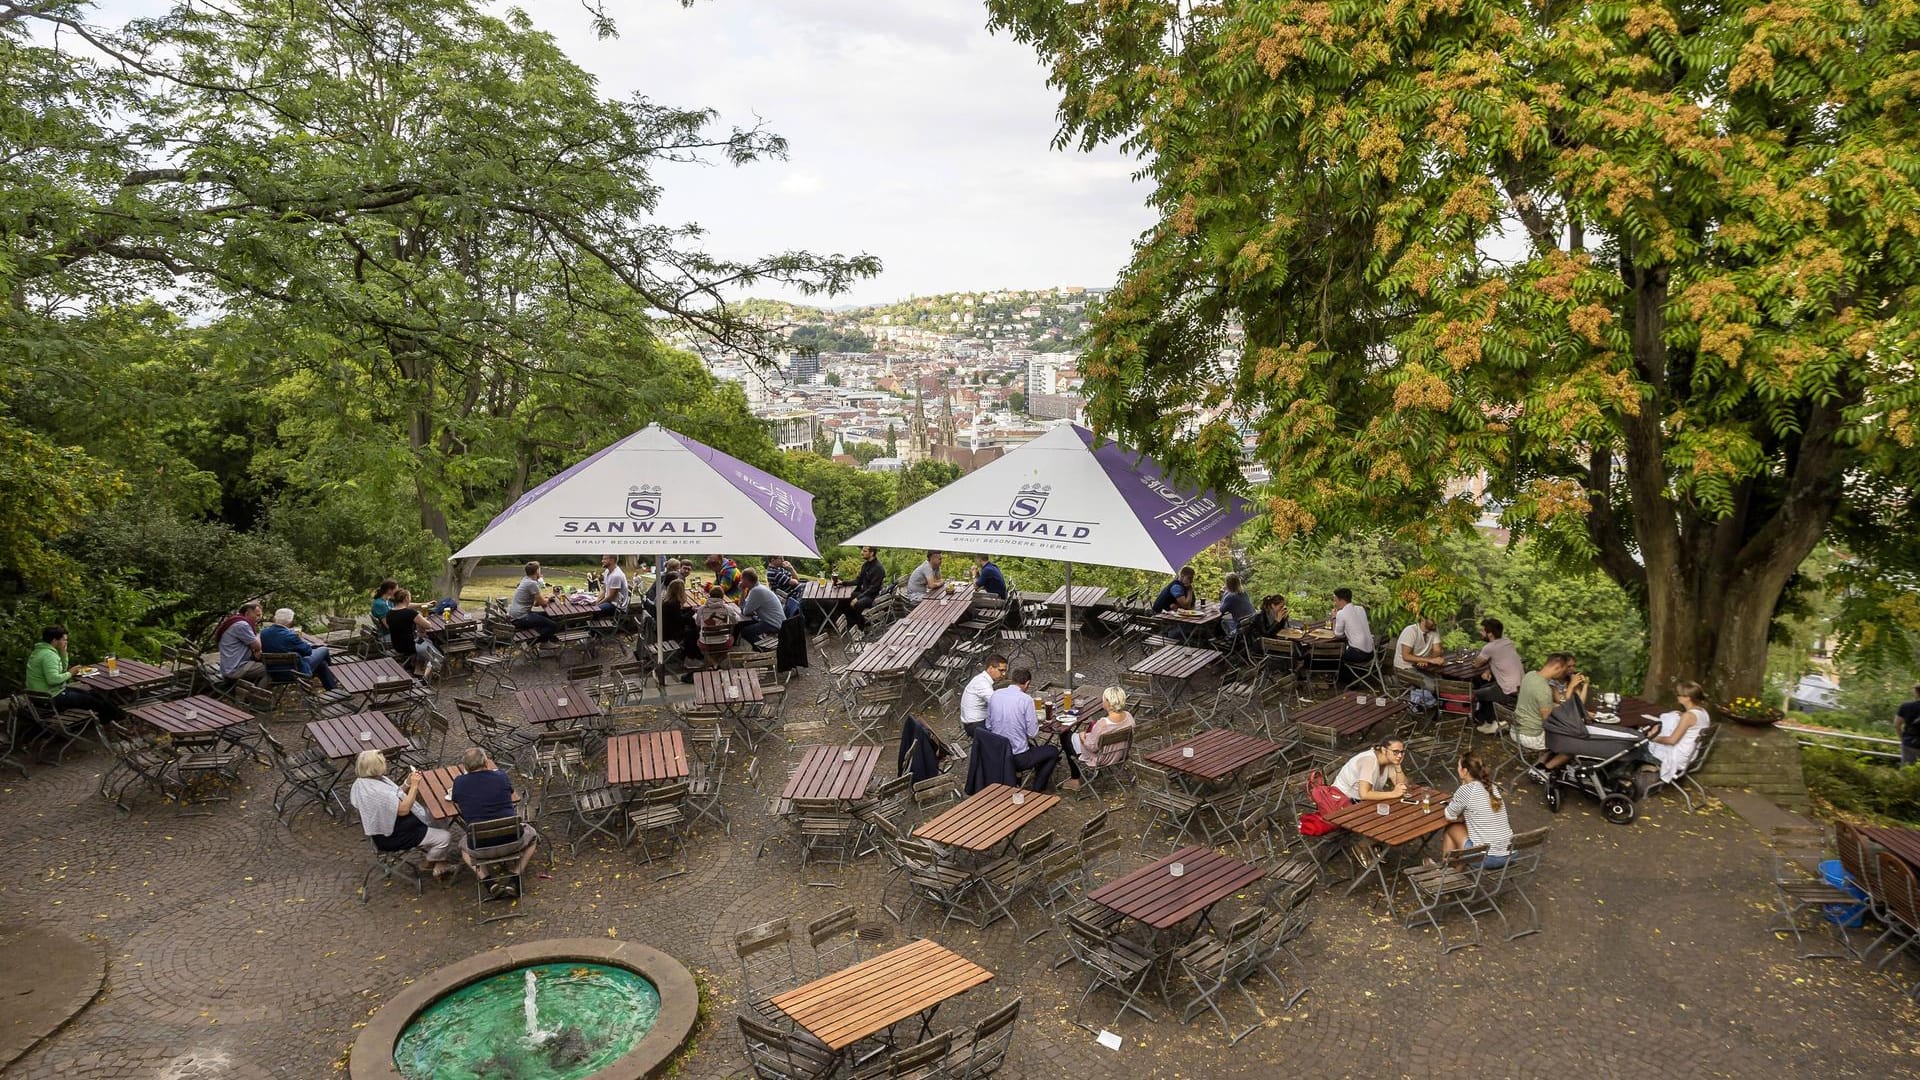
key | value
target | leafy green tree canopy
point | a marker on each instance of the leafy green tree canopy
(1647, 266)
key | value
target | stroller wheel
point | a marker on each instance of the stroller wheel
(1552, 796)
(1619, 809)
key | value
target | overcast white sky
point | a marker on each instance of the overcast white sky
(915, 136)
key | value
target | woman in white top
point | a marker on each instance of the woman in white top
(1374, 774)
(1083, 747)
(393, 816)
(1478, 813)
(1679, 733)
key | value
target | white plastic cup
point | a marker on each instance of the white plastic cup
(1186, 751)
(1380, 701)
(1019, 798)
(1176, 870)
(733, 693)
(561, 701)
(366, 736)
(1384, 810)
(846, 755)
(1360, 700)
(192, 713)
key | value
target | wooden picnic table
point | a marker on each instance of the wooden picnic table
(727, 687)
(196, 715)
(939, 607)
(1176, 662)
(1083, 596)
(1208, 616)
(1459, 666)
(436, 791)
(857, 1002)
(1403, 823)
(824, 772)
(987, 818)
(1217, 753)
(339, 736)
(455, 620)
(825, 592)
(1346, 717)
(1152, 895)
(132, 677)
(898, 649)
(646, 757)
(364, 676)
(541, 704)
(1903, 843)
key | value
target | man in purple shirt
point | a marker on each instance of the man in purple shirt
(1010, 715)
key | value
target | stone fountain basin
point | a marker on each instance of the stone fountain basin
(372, 1056)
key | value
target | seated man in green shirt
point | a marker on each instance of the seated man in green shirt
(1539, 692)
(50, 673)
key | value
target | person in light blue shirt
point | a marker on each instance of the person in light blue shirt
(1236, 606)
(762, 610)
(1010, 715)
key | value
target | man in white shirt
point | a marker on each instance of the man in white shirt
(1350, 622)
(973, 699)
(1501, 670)
(926, 578)
(1418, 651)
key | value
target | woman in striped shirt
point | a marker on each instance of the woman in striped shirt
(1478, 814)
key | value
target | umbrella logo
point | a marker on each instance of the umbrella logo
(1031, 499)
(643, 502)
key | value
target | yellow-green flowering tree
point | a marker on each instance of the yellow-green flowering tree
(1647, 266)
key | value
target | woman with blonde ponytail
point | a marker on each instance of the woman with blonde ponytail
(1478, 813)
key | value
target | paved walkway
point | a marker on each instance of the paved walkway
(236, 948)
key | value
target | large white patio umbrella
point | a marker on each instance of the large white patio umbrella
(1062, 497)
(655, 492)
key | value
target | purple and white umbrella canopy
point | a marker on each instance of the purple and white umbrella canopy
(1060, 497)
(654, 492)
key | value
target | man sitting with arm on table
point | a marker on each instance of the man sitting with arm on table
(926, 578)
(1418, 651)
(483, 792)
(762, 610)
(281, 637)
(973, 700)
(1010, 715)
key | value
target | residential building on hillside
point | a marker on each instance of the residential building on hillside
(792, 428)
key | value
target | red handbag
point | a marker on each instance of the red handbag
(1328, 798)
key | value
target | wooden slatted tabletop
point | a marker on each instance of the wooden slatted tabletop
(1903, 843)
(1217, 753)
(1403, 822)
(541, 704)
(985, 819)
(436, 791)
(457, 620)
(825, 591)
(825, 773)
(941, 608)
(1155, 897)
(196, 715)
(1191, 618)
(728, 686)
(1346, 716)
(1175, 662)
(132, 676)
(872, 996)
(1084, 596)
(573, 606)
(646, 757)
(339, 736)
(364, 676)
(899, 648)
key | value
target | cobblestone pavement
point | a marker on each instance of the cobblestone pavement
(237, 948)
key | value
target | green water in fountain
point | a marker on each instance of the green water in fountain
(584, 1017)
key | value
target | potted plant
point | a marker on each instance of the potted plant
(1752, 712)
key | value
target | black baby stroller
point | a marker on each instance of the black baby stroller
(1605, 757)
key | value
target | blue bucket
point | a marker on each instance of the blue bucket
(1849, 916)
